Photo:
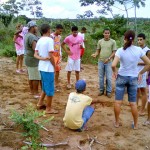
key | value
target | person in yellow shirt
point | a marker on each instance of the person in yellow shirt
(78, 109)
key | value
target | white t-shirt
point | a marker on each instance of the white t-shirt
(140, 67)
(44, 46)
(129, 59)
(83, 36)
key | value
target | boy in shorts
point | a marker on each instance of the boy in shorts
(74, 41)
(44, 52)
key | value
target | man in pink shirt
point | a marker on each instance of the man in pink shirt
(74, 41)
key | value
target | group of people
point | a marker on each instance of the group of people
(43, 61)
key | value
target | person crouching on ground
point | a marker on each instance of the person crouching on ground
(78, 109)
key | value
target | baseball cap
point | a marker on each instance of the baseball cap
(31, 24)
(80, 85)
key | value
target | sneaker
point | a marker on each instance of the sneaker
(109, 95)
(101, 93)
(68, 86)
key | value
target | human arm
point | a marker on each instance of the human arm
(96, 53)
(51, 58)
(114, 64)
(63, 45)
(141, 64)
(36, 55)
(146, 67)
(14, 40)
(110, 57)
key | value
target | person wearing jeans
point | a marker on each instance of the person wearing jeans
(102, 70)
(106, 49)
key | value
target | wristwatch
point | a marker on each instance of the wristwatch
(109, 58)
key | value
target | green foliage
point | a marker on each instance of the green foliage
(28, 122)
(6, 19)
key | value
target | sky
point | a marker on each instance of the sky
(70, 9)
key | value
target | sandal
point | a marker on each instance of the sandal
(68, 86)
(117, 126)
(146, 123)
(51, 112)
(41, 106)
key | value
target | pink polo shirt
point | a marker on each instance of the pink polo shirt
(74, 45)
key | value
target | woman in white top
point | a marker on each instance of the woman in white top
(127, 76)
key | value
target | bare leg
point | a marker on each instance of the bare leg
(148, 110)
(134, 113)
(138, 95)
(77, 75)
(117, 111)
(17, 62)
(144, 100)
(49, 109)
(21, 61)
(35, 86)
(31, 86)
(56, 78)
(68, 76)
(41, 100)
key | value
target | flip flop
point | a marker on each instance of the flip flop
(52, 112)
(117, 126)
(142, 114)
(146, 123)
(41, 106)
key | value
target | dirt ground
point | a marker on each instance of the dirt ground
(14, 94)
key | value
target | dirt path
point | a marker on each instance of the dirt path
(14, 94)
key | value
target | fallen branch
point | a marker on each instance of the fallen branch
(48, 145)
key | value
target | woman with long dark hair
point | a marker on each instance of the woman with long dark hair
(127, 76)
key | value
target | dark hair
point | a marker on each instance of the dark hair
(44, 28)
(142, 35)
(129, 37)
(83, 29)
(79, 91)
(74, 28)
(106, 29)
(147, 52)
(59, 26)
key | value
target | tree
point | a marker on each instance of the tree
(34, 6)
(15, 6)
(107, 6)
(12, 7)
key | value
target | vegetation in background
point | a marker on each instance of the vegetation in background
(94, 27)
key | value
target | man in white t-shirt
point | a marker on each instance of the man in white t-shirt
(44, 52)
(142, 91)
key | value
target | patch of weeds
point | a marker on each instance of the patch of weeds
(28, 121)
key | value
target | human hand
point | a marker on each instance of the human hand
(94, 55)
(69, 53)
(115, 74)
(139, 77)
(46, 58)
(106, 61)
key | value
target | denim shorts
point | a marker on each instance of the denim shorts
(47, 79)
(128, 82)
